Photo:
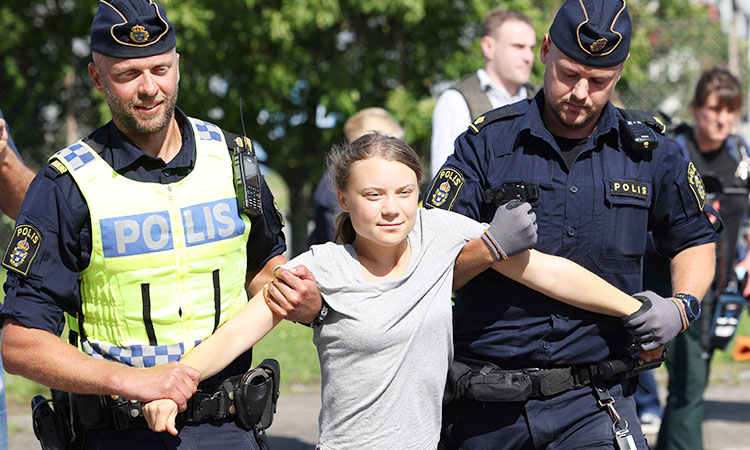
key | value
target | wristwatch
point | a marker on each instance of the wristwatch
(318, 320)
(691, 305)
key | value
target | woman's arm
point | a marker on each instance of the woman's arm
(566, 281)
(230, 340)
(233, 338)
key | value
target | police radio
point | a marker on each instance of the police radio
(246, 174)
(515, 190)
(637, 136)
(726, 317)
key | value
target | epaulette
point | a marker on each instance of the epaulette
(58, 167)
(649, 119)
(501, 113)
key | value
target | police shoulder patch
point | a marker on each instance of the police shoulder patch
(696, 185)
(444, 188)
(22, 249)
(503, 112)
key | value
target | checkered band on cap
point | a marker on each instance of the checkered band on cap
(135, 355)
(76, 155)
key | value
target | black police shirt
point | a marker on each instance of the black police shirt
(55, 206)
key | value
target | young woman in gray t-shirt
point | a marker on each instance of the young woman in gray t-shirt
(386, 343)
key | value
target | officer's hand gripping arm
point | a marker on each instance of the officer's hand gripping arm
(657, 321)
(293, 294)
(512, 230)
(43, 357)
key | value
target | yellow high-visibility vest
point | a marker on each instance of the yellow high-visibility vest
(168, 261)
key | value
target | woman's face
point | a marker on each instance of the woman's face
(381, 199)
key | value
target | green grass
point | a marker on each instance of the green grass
(291, 345)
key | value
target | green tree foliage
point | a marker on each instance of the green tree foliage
(303, 67)
(300, 66)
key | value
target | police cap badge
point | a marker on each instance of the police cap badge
(593, 32)
(131, 29)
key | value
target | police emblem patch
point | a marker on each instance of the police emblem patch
(138, 34)
(22, 249)
(444, 189)
(696, 185)
(598, 45)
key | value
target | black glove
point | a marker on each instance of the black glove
(657, 321)
(512, 230)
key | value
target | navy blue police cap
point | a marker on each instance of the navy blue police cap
(593, 32)
(131, 29)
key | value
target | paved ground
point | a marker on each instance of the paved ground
(726, 427)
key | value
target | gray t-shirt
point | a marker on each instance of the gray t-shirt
(385, 346)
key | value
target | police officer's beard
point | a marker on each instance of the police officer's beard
(125, 119)
(589, 116)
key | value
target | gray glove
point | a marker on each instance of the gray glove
(657, 321)
(512, 230)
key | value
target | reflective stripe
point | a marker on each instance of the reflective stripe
(146, 298)
(217, 299)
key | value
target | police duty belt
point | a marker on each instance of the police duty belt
(486, 382)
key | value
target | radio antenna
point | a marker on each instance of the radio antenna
(242, 120)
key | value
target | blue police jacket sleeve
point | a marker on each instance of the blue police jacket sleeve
(459, 184)
(44, 283)
(678, 220)
(266, 238)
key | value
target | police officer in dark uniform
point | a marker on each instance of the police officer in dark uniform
(542, 373)
(135, 235)
(723, 158)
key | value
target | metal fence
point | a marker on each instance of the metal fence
(659, 76)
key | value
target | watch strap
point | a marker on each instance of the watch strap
(680, 305)
(319, 318)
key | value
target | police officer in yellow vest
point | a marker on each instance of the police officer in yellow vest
(136, 233)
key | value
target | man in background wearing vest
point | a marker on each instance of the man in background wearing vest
(135, 234)
(508, 42)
